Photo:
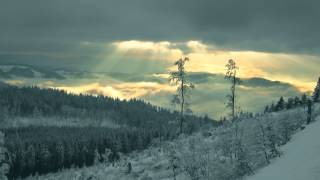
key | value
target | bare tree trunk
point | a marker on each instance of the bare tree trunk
(233, 98)
(309, 112)
(182, 106)
(264, 144)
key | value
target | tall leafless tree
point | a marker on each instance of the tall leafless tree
(231, 75)
(178, 78)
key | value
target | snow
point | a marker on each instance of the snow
(300, 160)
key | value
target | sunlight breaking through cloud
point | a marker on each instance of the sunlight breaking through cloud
(212, 59)
(163, 50)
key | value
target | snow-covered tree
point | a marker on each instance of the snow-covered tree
(280, 105)
(297, 101)
(263, 141)
(4, 164)
(272, 142)
(304, 99)
(309, 111)
(266, 109)
(231, 75)
(316, 92)
(242, 163)
(174, 163)
(179, 78)
(290, 104)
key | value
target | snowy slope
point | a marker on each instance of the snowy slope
(301, 158)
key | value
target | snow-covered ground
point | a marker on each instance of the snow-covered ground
(300, 160)
(205, 155)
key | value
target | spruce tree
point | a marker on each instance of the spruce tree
(290, 104)
(316, 92)
(266, 109)
(304, 99)
(297, 101)
(272, 108)
(280, 105)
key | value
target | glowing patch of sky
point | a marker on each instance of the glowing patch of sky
(291, 68)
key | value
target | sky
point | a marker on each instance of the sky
(128, 47)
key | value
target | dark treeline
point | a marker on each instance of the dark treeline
(291, 103)
(294, 102)
(40, 150)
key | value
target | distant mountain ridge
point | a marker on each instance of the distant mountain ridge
(25, 71)
(210, 90)
(11, 71)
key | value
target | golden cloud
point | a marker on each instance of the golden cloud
(119, 90)
(197, 47)
(15, 82)
(163, 50)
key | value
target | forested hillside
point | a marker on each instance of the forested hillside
(35, 102)
(39, 148)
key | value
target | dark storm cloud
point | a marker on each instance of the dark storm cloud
(59, 26)
(266, 25)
